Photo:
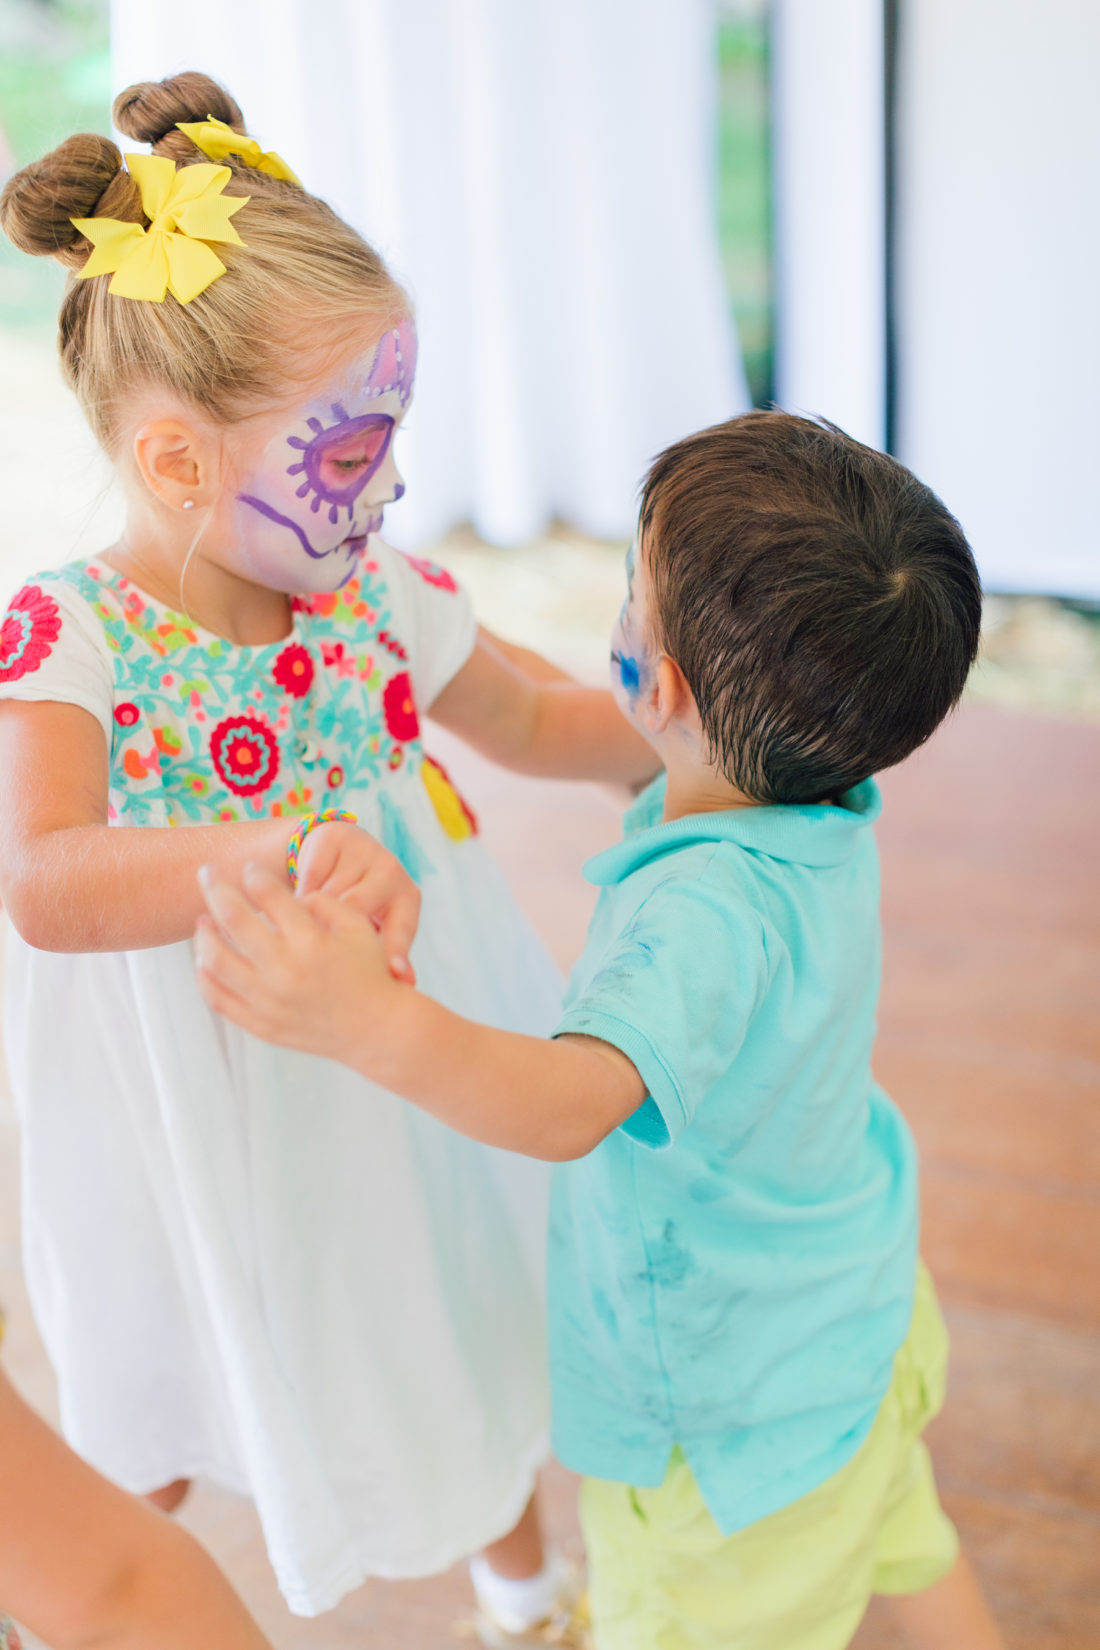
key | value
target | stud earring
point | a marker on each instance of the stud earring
(188, 504)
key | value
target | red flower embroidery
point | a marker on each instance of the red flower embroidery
(337, 658)
(126, 715)
(400, 708)
(335, 778)
(432, 574)
(293, 670)
(245, 754)
(31, 626)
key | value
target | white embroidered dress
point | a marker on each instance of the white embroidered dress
(247, 1263)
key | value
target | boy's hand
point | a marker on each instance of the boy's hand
(345, 862)
(308, 972)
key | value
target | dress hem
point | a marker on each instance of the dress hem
(353, 1571)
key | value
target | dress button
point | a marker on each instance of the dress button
(307, 752)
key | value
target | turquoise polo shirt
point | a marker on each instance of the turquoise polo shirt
(732, 1270)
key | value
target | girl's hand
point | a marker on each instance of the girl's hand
(345, 863)
(308, 972)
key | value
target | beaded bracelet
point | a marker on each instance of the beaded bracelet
(327, 816)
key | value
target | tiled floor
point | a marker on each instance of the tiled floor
(990, 1041)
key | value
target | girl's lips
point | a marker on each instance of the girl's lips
(356, 545)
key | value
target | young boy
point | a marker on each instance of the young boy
(744, 1348)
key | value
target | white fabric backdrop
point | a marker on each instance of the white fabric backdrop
(827, 88)
(540, 174)
(998, 259)
(999, 279)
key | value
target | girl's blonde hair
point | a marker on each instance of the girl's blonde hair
(302, 275)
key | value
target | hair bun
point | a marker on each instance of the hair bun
(150, 112)
(82, 178)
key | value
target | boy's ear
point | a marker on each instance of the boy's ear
(669, 698)
(172, 462)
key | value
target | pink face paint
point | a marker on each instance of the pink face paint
(304, 525)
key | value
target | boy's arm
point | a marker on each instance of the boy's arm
(311, 974)
(540, 723)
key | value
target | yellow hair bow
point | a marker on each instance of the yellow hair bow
(186, 208)
(218, 140)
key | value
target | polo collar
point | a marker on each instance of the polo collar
(803, 834)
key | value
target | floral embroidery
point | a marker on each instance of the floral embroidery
(455, 816)
(293, 670)
(392, 645)
(31, 626)
(245, 754)
(9, 1635)
(207, 732)
(432, 573)
(397, 702)
(138, 766)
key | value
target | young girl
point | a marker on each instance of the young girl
(247, 1264)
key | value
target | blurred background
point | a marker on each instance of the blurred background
(626, 219)
(621, 220)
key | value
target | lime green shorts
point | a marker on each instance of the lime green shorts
(664, 1577)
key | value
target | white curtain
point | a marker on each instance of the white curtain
(828, 138)
(997, 259)
(539, 173)
(999, 279)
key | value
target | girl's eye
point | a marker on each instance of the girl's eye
(336, 463)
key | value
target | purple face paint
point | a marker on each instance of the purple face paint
(337, 464)
(304, 525)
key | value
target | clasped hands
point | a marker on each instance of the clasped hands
(319, 969)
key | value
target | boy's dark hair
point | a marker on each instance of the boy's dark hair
(822, 603)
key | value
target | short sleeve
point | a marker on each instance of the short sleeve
(433, 617)
(52, 648)
(676, 993)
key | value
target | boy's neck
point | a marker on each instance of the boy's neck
(700, 791)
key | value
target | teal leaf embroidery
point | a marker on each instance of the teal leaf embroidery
(397, 837)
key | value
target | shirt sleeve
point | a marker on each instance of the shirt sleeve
(52, 648)
(434, 619)
(676, 993)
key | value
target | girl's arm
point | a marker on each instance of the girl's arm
(542, 724)
(311, 975)
(87, 1567)
(70, 882)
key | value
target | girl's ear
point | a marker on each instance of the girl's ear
(171, 460)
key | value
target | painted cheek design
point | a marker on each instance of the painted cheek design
(630, 674)
(338, 462)
(334, 463)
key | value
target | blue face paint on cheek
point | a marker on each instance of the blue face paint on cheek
(629, 674)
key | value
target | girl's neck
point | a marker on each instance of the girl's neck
(246, 614)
